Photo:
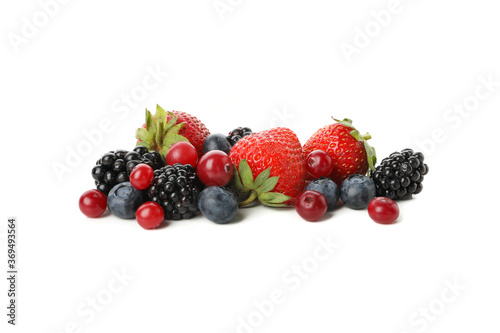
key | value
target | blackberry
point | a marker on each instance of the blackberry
(236, 134)
(176, 189)
(400, 175)
(114, 167)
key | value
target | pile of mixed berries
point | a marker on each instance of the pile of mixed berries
(178, 170)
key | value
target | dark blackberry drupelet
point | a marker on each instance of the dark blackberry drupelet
(114, 167)
(400, 175)
(236, 134)
(176, 189)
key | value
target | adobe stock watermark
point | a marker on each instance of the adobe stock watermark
(292, 278)
(222, 7)
(454, 116)
(281, 117)
(89, 309)
(379, 20)
(31, 26)
(420, 320)
(121, 108)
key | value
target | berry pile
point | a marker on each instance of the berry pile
(238, 133)
(176, 189)
(115, 167)
(400, 175)
(189, 171)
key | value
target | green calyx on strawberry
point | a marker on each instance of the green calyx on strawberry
(370, 151)
(260, 188)
(160, 132)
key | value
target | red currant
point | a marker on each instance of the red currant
(182, 152)
(319, 164)
(141, 176)
(215, 168)
(311, 205)
(93, 203)
(149, 215)
(383, 210)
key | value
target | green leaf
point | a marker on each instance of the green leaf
(245, 174)
(273, 198)
(346, 122)
(150, 122)
(355, 134)
(264, 175)
(245, 185)
(161, 115)
(163, 152)
(171, 122)
(159, 134)
(143, 134)
(236, 181)
(268, 185)
(146, 144)
(169, 140)
(276, 205)
(157, 129)
(367, 136)
(174, 129)
(251, 198)
(371, 155)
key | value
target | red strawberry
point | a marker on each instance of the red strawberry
(350, 151)
(166, 128)
(269, 166)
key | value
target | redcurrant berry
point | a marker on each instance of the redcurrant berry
(319, 164)
(383, 210)
(149, 215)
(311, 205)
(93, 203)
(141, 176)
(182, 152)
(215, 168)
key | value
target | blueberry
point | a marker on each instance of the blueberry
(357, 191)
(328, 188)
(124, 199)
(218, 204)
(216, 141)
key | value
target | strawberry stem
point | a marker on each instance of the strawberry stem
(250, 199)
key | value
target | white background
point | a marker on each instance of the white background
(260, 64)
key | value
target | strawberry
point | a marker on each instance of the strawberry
(349, 150)
(269, 166)
(166, 128)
